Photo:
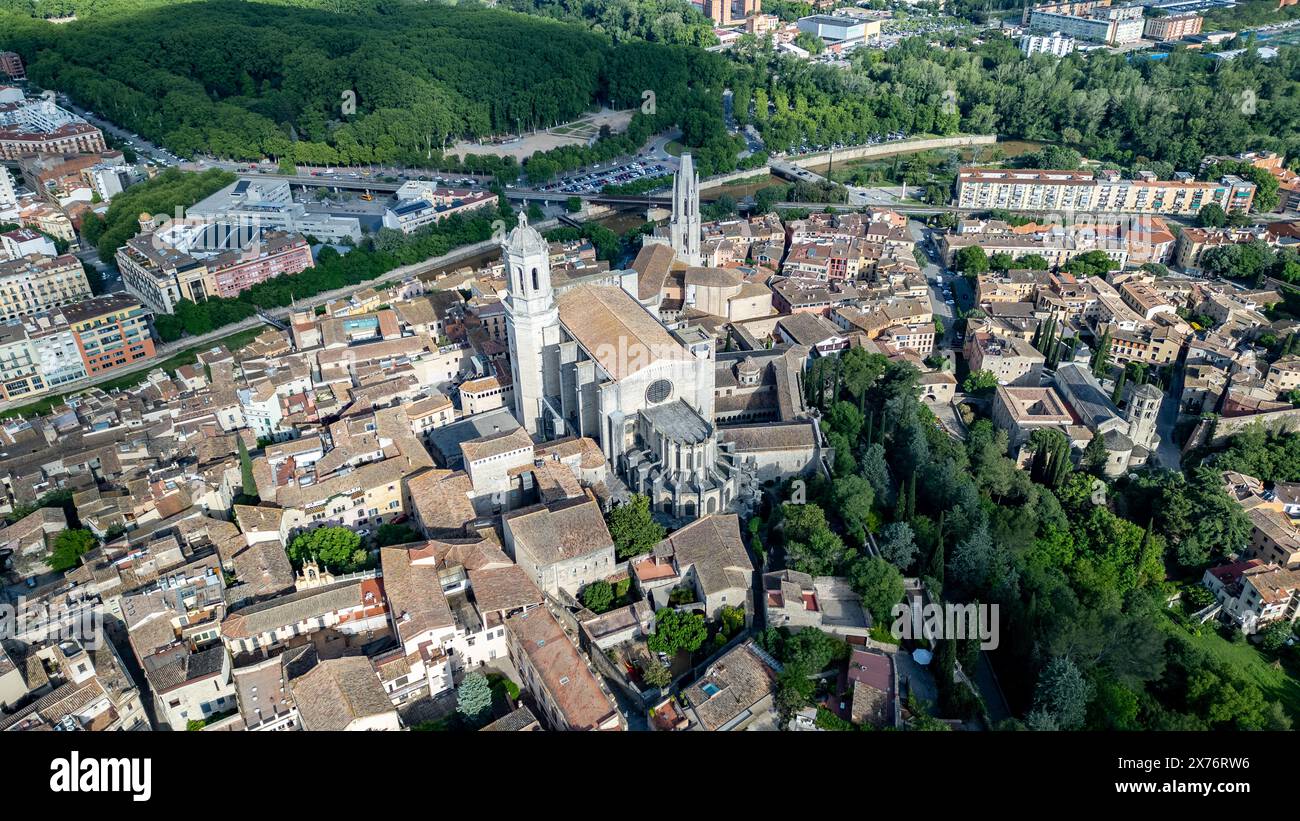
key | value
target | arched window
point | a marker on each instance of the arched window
(712, 505)
(690, 509)
(535, 285)
(668, 505)
(520, 273)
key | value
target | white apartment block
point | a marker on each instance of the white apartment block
(1064, 190)
(1055, 43)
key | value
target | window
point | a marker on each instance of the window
(659, 391)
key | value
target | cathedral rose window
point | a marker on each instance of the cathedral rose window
(659, 391)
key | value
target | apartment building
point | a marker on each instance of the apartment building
(1078, 8)
(1016, 285)
(1024, 189)
(55, 347)
(1055, 245)
(1152, 343)
(16, 142)
(110, 331)
(1112, 25)
(1143, 298)
(363, 499)
(1055, 43)
(20, 372)
(1194, 242)
(8, 197)
(1172, 27)
(30, 285)
(212, 261)
(1284, 374)
(276, 254)
(726, 12)
(24, 242)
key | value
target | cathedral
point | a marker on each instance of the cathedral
(589, 360)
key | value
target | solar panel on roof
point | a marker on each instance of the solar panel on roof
(412, 206)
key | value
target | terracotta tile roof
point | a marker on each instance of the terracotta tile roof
(568, 681)
(337, 692)
(615, 330)
(416, 601)
(563, 531)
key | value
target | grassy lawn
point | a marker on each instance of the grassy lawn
(674, 148)
(1278, 682)
(170, 364)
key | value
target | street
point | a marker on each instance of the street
(938, 279)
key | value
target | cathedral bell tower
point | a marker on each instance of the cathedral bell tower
(684, 226)
(531, 317)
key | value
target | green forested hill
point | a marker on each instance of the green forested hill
(246, 80)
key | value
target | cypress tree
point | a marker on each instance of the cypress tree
(1044, 337)
(935, 570)
(1101, 358)
(1060, 462)
(911, 496)
(1038, 467)
(1117, 395)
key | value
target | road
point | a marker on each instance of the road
(142, 147)
(1168, 453)
(936, 277)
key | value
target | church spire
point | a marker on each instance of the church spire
(684, 226)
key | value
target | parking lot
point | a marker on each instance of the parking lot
(593, 179)
(874, 139)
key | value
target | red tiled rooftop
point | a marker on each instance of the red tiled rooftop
(650, 570)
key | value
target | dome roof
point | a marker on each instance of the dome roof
(525, 238)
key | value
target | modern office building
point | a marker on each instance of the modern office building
(269, 204)
(834, 28)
